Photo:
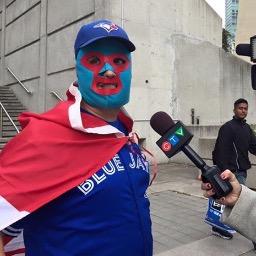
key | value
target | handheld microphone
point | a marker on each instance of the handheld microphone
(175, 137)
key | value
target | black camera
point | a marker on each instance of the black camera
(250, 51)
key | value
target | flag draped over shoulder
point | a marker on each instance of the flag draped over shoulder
(13, 242)
(56, 151)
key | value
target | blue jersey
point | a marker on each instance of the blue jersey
(107, 215)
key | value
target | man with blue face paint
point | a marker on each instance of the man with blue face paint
(103, 66)
(104, 74)
(96, 203)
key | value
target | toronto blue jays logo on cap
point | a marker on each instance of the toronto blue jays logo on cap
(108, 27)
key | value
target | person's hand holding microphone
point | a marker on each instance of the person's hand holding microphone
(232, 197)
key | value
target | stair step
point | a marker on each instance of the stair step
(8, 97)
(18, 105)
(5, 124)
(9, 133)
(13, 108)
(2, 145)
(10, 128)
(7, 105)
(9, 122)
(11, 96)
(10, 101)
(4, 140)
(6, 93)
(14, 118)
(14, 111)
(4, 88)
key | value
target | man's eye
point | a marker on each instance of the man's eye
(94, 60)
(119, 61)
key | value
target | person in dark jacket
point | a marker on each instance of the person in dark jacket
(235, 139)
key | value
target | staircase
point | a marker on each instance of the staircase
(14, 108)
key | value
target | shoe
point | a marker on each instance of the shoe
(221, 233)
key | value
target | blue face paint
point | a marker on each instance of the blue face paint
(98, 89)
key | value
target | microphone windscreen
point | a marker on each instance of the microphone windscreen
(161, 122)
(243, 49)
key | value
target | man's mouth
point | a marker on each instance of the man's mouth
(108, 86)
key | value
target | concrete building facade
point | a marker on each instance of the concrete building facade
(178, 65)
(246, 24)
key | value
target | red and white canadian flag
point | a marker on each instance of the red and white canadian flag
(55, 151)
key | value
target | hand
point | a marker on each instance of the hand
(232, 197)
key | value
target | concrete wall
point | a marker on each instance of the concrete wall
(37, 45)
(213, 80)
(178, 64)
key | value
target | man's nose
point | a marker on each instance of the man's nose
(107, 71)
(109, 74)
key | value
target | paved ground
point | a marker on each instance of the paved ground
(178, 209)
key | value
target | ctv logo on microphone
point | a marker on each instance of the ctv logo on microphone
(174, 139)
(166, 146)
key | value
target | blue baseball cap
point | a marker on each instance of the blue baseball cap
(100, 29)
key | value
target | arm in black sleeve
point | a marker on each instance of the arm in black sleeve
(252, 145)
(224, 148)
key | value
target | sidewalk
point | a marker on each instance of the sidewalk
(177, 211)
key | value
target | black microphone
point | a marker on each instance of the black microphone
(175, 138)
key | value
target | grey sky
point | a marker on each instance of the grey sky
(219, 7)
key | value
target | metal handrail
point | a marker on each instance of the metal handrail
(56, 95)
(2, 108)
(22, 85)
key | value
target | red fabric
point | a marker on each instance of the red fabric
(15, 252)
(49, 158)
(8, 239)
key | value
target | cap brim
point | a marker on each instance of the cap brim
(130, 46)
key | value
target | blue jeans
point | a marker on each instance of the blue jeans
(241, 176)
